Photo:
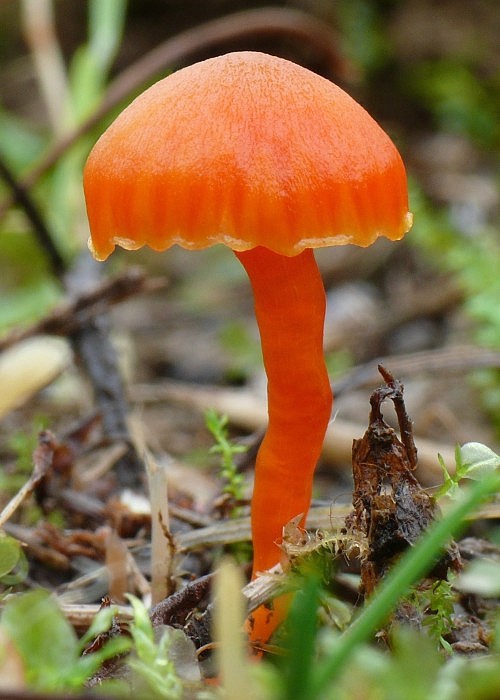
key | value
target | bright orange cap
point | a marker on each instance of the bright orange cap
(248, 150)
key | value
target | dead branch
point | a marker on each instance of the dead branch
(455, 359)
(70, 316)
(42, 462)
(19, 194)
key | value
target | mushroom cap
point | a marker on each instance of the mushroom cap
(244, 149)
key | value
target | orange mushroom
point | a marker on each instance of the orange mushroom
(272, 160)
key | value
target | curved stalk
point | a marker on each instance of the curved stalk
(290, 309)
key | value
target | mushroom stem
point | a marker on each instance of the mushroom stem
(290, 309)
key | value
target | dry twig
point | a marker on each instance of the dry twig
(70, 316)
(42, 462)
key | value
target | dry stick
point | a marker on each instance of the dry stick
(81, 616)
(163, 546)
(456, 359)
(433, 299)
(162, 543)
(139, 581)
(56, 261)
(265, 587)
(405, 425)
(98, 356)
(102, 464)
(189, 516)
(71, 316)
(279, 22)
(42, 461)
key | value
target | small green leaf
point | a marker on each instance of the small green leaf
(142, 624)
(10, 552)
(48, 645)
(43, 636)
(223, 446)
(478, 460)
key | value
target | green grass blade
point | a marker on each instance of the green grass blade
(302, 626)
